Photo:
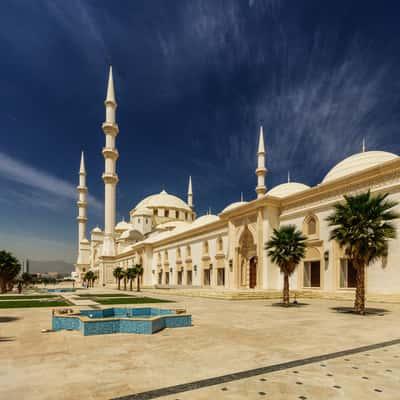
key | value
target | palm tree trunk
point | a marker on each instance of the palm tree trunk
(124, 283)
(359, 304)
(138, 283)
(130, 285)
(286, 289)
(119, 284)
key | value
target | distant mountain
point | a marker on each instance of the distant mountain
(50, 266)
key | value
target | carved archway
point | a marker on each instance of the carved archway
(247, 251)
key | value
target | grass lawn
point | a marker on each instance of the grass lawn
(104, 295)
(27, 297)
(132, 300)
(33, 303)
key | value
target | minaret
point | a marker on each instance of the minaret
(82, 191)
(110, 178)
(190, 193)
(261, 171)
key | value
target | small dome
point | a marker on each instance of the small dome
(96, 230)
(234, 205)
(122, 226)
(143, 211)
(204, 220)
(162, 199)
(286, 189)
(132, 234)
(358, 162)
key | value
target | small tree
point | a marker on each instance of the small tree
(9, 270)
(362, 228)
(139, 272)
(130, 275)
(286, 248)
(26, 278)
(118, 275)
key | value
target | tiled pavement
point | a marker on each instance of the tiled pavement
(369, 374)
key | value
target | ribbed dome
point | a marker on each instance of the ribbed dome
(162, 199)
(233, 205)
(358, 162)
(286, 189)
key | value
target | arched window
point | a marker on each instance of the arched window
(176, 214)
(188, 251)
(178, 253)
(312, 226)
(166, 213)
(165, 255)
(205, 247)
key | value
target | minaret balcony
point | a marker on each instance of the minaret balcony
(260, 171)
(81, 218)
(110, 128)
(81, 204)
(82, 189)
(110, 178)
(261, 189)
(110, 153)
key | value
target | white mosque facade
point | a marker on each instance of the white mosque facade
(227, 251)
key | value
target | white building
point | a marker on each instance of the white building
(227, 250)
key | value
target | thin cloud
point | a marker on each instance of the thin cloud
(17, 171)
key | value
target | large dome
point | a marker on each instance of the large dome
(286, 189)
(164, 200)
(358, 162)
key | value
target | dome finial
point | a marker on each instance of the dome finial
(288, 177)
(241, 197)
(363, 146)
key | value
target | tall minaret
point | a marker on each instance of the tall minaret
(261, 171)
(190, 193)
(82, 191)
(110, 177)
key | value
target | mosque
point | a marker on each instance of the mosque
(227, 251)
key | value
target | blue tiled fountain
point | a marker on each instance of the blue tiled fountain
(121, 320)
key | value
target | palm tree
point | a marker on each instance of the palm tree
(9, 269)
(286, 249)
(139, 272)
(90, 277)
(130, 275)
(362, 228)
(124, 277)
(118, 274)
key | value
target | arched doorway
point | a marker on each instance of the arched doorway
(247, 260)
(253, 273)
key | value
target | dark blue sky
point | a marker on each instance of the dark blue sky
(194, 79)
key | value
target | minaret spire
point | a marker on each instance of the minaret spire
(82, 203)
(83, 260)
(261, 171)
(110, 177)
(190, 193)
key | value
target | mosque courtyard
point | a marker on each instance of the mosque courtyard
(234, 350)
